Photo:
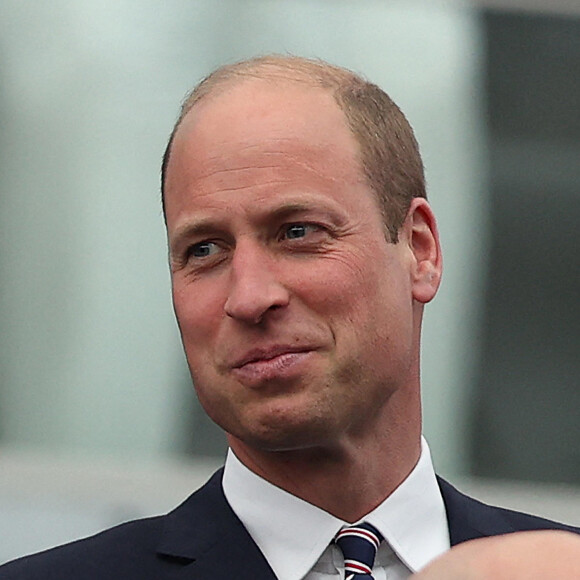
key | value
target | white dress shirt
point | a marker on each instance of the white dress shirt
(296, 536)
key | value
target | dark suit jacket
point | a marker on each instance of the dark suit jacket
(203, 539)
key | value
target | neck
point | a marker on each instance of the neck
(348, 479)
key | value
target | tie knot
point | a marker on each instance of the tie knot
(359, 545)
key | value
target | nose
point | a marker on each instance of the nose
(254, 286)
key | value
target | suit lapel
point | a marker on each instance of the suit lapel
(205, 537)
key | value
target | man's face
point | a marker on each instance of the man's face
(295, 312)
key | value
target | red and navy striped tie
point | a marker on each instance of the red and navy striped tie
(359, 545)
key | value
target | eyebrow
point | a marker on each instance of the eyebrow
(298, 206)
(292, 208)
(198, 227)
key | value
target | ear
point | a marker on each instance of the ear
(423, 239)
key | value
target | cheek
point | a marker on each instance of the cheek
(198, 312)
(335, 279)
(342, 286)
(363, 300)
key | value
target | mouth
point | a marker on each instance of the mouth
(278, 362)
(259, 355)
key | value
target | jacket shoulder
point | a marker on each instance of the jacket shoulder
(125, 551)
(469, 518)
(145, 549)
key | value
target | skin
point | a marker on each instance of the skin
(300, 321)
(519, 556)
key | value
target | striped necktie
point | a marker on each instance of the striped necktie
(359, 545)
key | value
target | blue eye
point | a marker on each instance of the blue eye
(297, 231)
(203, 249)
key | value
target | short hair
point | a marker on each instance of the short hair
(389, 153)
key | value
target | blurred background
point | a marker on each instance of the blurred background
(98, 420)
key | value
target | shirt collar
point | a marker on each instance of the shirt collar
(292, 533)
(413, 518)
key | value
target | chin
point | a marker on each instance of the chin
(285, 433)
(296, 421)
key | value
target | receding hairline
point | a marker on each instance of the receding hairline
(314, 73)
(309, 72)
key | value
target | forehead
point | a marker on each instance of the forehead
(254, 123)
(263, 109)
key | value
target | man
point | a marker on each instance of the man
(302, 252)
(519, 556)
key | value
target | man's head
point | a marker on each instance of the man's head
(299, 317)
(519, 556)
(389, 153)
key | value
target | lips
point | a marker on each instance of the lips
(263, 355)
(282, 362)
